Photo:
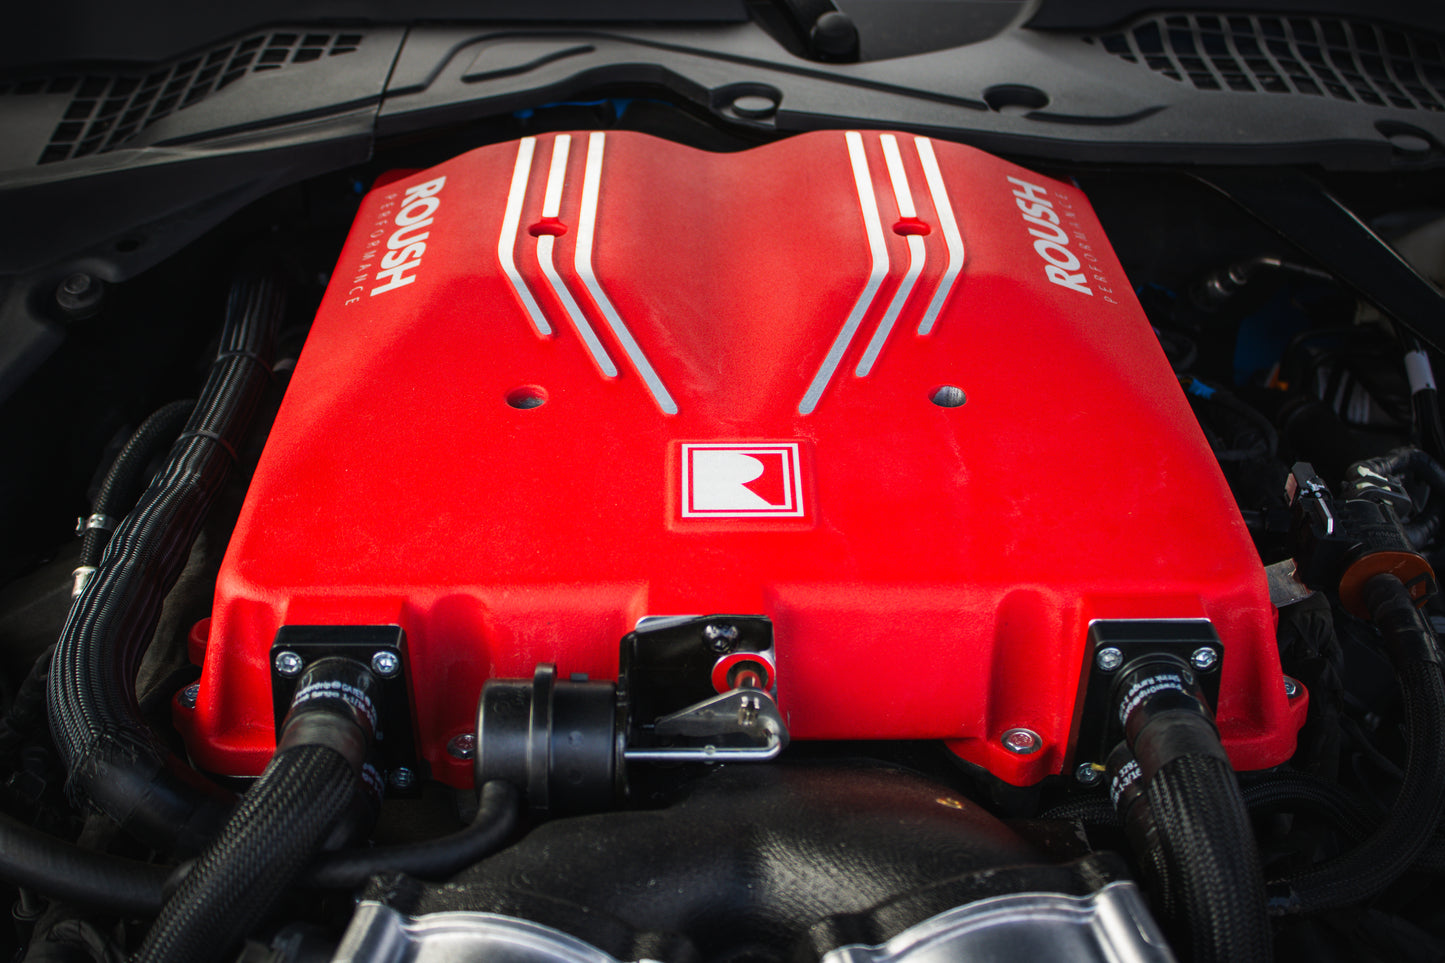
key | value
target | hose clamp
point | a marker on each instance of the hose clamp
(82, 577)
(105, 523)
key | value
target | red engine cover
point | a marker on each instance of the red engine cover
(559, 385)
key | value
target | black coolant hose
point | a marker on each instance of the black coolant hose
(1421, 529)
(1181, 802)
(126, 478)
(64, 871)
(432, 859)
(1402, 837)
(283, 821)
(113, 760)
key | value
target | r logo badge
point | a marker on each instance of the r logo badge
(741, 481)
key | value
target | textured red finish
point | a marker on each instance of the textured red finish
(931, 571)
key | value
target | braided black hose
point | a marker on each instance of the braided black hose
(123, 483)
(1292, 791)
(114, 762)
(1209, 854)
(281, 823)
(1185, 816)
(1401, 838)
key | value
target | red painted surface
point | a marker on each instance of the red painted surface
(938, 567)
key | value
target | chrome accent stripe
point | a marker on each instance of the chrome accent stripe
(948, 223)
(507, 244)
(879, 253)
(551, 204)
(904, 195)
(586, 226)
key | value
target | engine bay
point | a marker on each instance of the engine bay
(637, 523)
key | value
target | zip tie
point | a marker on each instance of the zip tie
(211, 436)
(1418, 370)
(252, 355)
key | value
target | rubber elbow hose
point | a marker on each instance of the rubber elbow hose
(1186, 818)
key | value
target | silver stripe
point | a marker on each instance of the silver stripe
(950, 232)
(507, 244)
(904, 195)
(550, 206)
(879, 252)
(586, 225)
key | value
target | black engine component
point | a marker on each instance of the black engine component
(815, 858)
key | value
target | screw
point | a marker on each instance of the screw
(1022, 742)
(400, 778)
(187, 697)
(385, 664)
(1291, 688)
(1204, 658)
(1109, 659)
(288, 663)
(463, 746)
(1086, 774)
(720, 636)
(76, 284)
(79, 296)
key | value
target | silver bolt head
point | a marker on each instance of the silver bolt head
(1086, 774)
(289, 663)
(188, 696)
(1109, 659)
(463, 746)
(1204, 658)
(76, 284)
(401, 778)
(385, 664)
(1022, 742)
(720, 636)
(1291, 688)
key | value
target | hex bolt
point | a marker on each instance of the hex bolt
(400, 778)
(76, 284)
(720, 636)
(79, 296)
(187, 697)
(385, 663)
(1022, 742)
(1087, 774)
(462, 746)
(1291, 688)
(1204, 658)
(1109, 659)
(288, 663)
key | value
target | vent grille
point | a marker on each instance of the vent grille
(1351, 60)
(107, 110)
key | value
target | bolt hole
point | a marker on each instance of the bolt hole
(128, 244)
(1409, 142)
(527, 396)
(755, 106)
(1015, 98)
(948, 396)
